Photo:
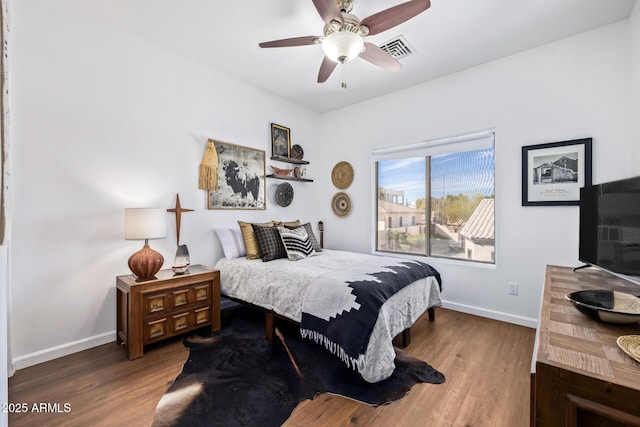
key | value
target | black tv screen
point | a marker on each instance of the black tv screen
(610, 226)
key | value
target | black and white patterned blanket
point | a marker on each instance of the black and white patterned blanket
(341, 308)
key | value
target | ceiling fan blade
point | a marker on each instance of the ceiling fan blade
(295, 41)
(379, 57)
(326, 68)
(395, 15)
(328, 10)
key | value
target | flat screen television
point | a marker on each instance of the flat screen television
(610, 226)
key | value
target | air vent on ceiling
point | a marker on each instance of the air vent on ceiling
(398, 48)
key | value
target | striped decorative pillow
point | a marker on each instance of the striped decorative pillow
(296, 243)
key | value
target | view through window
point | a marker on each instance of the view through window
(437, 199)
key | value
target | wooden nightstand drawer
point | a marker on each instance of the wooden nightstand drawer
(157, 304)
(155, 330)
(170, 305)
(176, 323)
(181, 298)
(202, 316)
(181, 322)
(202, 292)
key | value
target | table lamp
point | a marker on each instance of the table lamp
(145, 224)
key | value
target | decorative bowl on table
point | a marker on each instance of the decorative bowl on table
(607, 306)
(281, 172)
(630, 344)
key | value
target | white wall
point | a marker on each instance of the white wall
(104, 121)
(574, 88)
(634, 28)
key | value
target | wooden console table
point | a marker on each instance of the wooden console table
(582, 378)
(171, 304)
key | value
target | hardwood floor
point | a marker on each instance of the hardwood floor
(486, 364)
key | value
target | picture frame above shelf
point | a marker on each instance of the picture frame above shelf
(289, 178)
(290, 160)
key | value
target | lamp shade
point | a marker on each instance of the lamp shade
(145, 223)
(342, 46)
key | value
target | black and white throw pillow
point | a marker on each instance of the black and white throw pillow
(296, 243)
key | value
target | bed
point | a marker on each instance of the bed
(325, 294)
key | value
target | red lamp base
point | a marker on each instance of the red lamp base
(145, 263)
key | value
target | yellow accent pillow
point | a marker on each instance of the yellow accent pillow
(250, 242)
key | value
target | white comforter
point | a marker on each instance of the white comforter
(281, 285)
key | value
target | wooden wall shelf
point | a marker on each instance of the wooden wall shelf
(289, 178)
(289, 160)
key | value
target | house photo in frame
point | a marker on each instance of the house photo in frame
(280, 140)
(241, 178)
(553, 173)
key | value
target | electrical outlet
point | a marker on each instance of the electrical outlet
(513, 288)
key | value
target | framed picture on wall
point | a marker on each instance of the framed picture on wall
(241, 178)
(280, 140)
(553, 173)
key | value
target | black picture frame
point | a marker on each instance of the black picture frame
(280, 140)
(553, 173)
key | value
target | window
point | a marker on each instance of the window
(440, 194)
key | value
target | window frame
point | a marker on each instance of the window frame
(427, 148)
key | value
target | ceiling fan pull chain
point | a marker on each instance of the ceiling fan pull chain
(344, 75)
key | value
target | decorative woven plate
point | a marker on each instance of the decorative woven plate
(284, 194)
(630, 344)
(341, 204)
(342, 175)
(297, 152)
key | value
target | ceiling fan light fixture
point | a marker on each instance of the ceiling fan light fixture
(342, 46)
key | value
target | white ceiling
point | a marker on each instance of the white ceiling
(450, 36)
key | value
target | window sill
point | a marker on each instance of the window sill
(434, 260)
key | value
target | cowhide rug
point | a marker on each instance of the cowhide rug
(236, 378)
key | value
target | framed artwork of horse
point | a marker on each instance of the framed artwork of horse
(241, 178)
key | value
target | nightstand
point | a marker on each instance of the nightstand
(172, 304)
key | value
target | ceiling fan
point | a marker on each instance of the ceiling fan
(343, 35)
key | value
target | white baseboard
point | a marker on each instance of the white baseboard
(47, 354)
(491, 314)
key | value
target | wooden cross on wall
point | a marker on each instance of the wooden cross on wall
(178, 211)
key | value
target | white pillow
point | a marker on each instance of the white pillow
(296, 242)
(232, 242)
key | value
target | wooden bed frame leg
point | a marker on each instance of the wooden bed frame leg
(404, 339)
(270, 327)
(432, 313)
